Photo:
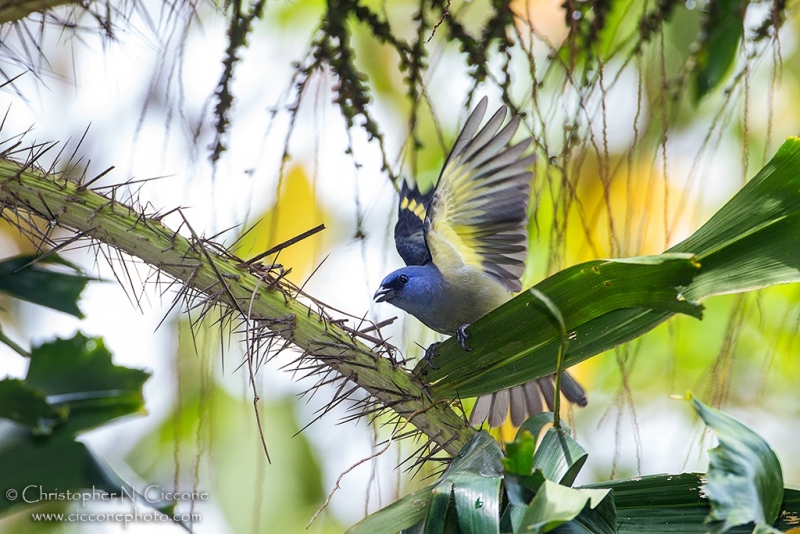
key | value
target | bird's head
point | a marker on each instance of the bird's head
(410, 285)
(393, 286)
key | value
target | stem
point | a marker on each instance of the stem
(557, 395)
(562, 328)
(13, 10)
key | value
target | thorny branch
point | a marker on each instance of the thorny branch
(265, 303)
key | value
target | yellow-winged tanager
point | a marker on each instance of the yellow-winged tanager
(465, 244)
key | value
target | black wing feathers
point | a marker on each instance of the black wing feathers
(409, 232)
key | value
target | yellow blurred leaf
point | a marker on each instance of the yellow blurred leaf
(295, 211)
(633, 204)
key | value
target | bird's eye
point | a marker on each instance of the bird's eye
(403, 279)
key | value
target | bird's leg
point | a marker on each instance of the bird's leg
(462, 336)
(429, 354)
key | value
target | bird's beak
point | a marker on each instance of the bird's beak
(383, 294)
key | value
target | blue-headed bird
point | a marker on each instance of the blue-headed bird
(465, 243)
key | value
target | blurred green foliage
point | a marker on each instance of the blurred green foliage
(210, 442)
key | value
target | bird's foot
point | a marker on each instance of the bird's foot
(462, 336)
(429, 354)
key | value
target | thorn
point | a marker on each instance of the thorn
(86, 185)
(290, 242)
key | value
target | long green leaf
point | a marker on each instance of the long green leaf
(401, 514)
(659, 504)
(519, 454)
(468, 492)
(601, 519)
(512, 517)
(521, 460)
(473, 480)
(559, 457)
(750, 243)
(744, 481)
(521, 480)
(671, 504)
(581, 294)
(440, 511)
(477, 504)
(536, 423)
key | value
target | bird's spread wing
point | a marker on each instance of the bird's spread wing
(409, 232)
(478, 214)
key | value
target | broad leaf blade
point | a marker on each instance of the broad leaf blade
(659, 503)
(473, 479)
(503, 341)
(744, 481)
(440, 511)
(57, 290)
(401, 514)
(512, 517)
(559, 457)
(750, 243)
(536, 423)
(30, 464)
(477, 504)
(519, 454)
(521, 481)
(601, 519)
(78, 373)
(468, 492)
(671, 504)
(27, 405)
(521, 489)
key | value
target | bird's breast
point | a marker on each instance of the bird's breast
(466, 296)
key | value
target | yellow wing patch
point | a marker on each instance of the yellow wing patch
(451, 243)
(414, 207)
(452, 249)
(478, 214)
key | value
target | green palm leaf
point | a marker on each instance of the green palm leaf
(750, 243)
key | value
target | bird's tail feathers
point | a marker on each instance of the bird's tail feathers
(524, 401)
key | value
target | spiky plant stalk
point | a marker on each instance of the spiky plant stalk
(14, 10)
(256, 295)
